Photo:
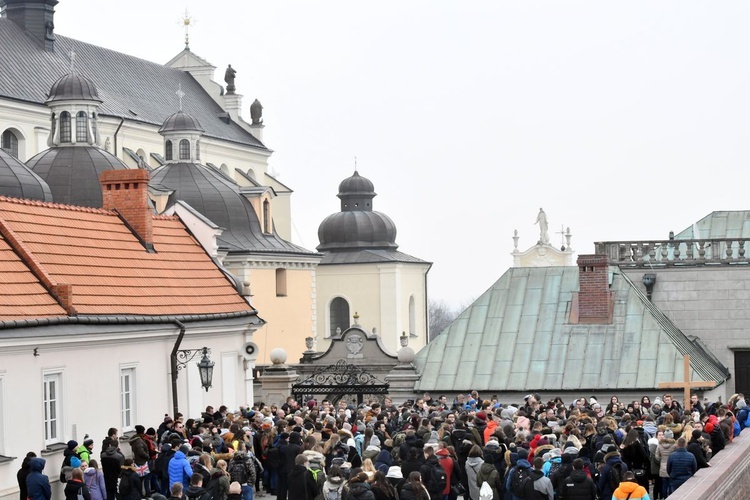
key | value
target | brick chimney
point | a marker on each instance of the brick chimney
(35, 17)
(594, 298)
(126, 191)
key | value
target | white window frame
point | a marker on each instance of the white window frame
(128, 400)
(53, 428)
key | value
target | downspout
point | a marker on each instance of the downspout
(122, 120)
(173, 364)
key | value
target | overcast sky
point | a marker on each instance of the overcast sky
(622, 120)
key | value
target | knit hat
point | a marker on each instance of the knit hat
(151, 431)
(235, 488)
(709, 427)
(395, 472)
(72, 444)
(88, 442)
(669, 434)
(523, 454)
(139, 429)
(482, 415)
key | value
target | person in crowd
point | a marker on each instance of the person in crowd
(37, 483)
(302, 484)
(129, 486)
(75, 487)
(666, 447)
(681, 465)
(629, 489)
(93, 478)
(23, 473)
(414, 489)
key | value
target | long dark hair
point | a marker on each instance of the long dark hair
(415, 480)
(381, 483)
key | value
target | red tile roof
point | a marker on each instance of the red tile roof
(111, 273)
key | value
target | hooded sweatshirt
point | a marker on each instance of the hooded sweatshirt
(578, 486)
(94, 481)
(473, 465)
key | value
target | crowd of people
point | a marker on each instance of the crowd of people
(424, 449)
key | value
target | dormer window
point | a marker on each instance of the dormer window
(184, 149)
(168, 150)
(65, 127)
(82, 132)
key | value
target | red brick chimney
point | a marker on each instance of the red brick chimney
(594, 298)
(126, 191)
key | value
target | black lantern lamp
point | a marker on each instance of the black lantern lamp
(206, 369)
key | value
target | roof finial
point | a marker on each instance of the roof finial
(355, 163)
(72, 57)
(187, 20)
(180, 94)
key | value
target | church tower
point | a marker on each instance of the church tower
(363, 273)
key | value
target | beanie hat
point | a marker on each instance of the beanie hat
(72, 444)
(151, 431)
(523, 454)
(482, 415)
(669, 434)
(139, 429)
(709, 427)
(88, 442)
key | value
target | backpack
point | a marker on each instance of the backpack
(238, 471)
(273, 458)
(212, 489)
(438, 479)
(520, 483)
(333, 494)
(485, 492)
(124, 486)
(615, 475)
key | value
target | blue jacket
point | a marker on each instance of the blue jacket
(36, 482)
(681, 466)
(179, 470)
(521, 464)
(606, 490)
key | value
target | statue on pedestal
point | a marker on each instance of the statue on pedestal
(541, 219)
(229, 75)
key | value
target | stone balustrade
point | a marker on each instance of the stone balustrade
(675, 252)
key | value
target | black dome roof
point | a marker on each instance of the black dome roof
(218, 198)
(356, 184)
(72, 173)
(17, 181)
(356, 226)
(73, 87)
(180, 121)
(357, 230)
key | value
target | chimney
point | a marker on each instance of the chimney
(594, 298)
(35, 17)
(126, 191)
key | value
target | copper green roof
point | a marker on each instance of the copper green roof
(517, 337)
(721, 224)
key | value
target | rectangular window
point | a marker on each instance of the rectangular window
(281, 282)
(52, 408)
(127, 398)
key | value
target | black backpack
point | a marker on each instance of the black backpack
(615, 475)
(438, 479)
(273, 458)
(519, 486)
(238, 471)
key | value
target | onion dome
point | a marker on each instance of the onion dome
(72, 173)
(179, 122)
(73, 87)
(356, 226)
(17, 181)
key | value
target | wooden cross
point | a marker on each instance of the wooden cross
(686, 385)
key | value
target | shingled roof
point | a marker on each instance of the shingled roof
(130, 88)
(107, 266)
(517, 337)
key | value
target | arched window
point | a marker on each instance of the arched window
(10, 143)
(64, 126)
(412, 317)
(184, 149)
(266, 217)
(82, 133)
(338, 311)
(281, 282)
(197, 150)
(168, 150)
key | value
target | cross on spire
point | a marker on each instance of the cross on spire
(561, 232)
(187, 20)
(355, 163)
(180, 94)
(72, 58)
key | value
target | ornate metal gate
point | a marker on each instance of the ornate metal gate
(334, 381)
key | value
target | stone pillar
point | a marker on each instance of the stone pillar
(257, 130)
(232, 105)
(403, 376)
(277, 379)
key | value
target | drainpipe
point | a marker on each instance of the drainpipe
(173, 364)
(122, 120)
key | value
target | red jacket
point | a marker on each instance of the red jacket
(447, 463)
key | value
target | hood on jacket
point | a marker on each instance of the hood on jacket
(523, 463)
(628, 486)
(89, 471)
(37, 464)
(578, 476)
(179, 455)
(314, 456)
(443, 453)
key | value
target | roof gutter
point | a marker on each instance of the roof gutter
(122, 320)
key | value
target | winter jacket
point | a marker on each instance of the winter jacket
(605, 478)
(179, 470)
(473, 464)
(73, 487)
(665, 448)
(111, 462)
(94, 481)
(694, 447)
(542, 485)
(577, 486)
(681, 466)
(302, 485)
(83, 453)
(635, 456)
(130, 484)
(521, 464)
(408, 493)
(37, 483)
(452, 473)
(21, 476)
(333, 483)
(140, 450)
(197, 493)
(426, 471)
(635, 490)
(218, 484)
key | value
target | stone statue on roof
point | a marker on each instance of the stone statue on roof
(229, 75)
(541, 219)
(256, 112)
